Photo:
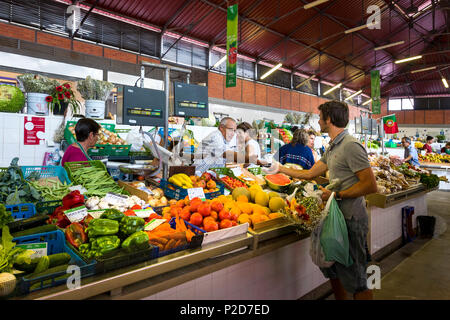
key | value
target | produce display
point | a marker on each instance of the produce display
(15, 190)
(50, 188)
(184, 181)
(278, 182)
(97, 181)
(97, 203)
(435, 158)
(105, 136)
(233, 183)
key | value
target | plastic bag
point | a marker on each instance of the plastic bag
(334, 235)
(315, 250)
(134, 137)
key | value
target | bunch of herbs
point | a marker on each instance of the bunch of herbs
(91, 89)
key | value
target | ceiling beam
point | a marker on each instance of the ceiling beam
(175, 15)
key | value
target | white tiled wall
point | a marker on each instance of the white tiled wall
(12, 138)
(287, 273)
(386, 224)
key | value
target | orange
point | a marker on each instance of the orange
(229, 205)
(245, 207)
(235, 213)
(172, 202)
(275, 215)
(180, 203)
(243, 218)
(242, 198)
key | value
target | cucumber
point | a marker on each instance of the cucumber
(59, 259)
(40, 229)
(37, 284)
(27, 267)
(49, 271)
(42, 265)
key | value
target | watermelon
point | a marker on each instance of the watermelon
(12, 98)
(278, 182)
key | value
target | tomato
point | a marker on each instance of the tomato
(195, 203)
(216, 205)
(225, 224)
(196, 219)
(129, 213)
(234, 223)
(211, 226)
(223, 215)
(136, 207)
(214, 215)
(204, 209)
(185, 213)
(175, 210)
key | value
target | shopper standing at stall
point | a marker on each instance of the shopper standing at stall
(247, 145)
(427, 145)
(311, 144)
(296, 151)
(86, 132)
(410, 154)
(212, 149)
(346, 159)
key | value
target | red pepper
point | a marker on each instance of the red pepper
(129, 213)
(153, 216)
(75, 234)
(73, 199)
(136, 207)
(59, 218)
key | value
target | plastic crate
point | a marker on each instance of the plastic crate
(119, 258)
(47, 172)
(47, 207)
(21, 211)
(56, 243)
(226, 172)
(196, 240)
(25, 217)
(110, 150)
(179, 193)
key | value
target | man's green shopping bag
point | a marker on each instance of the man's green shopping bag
(334, 235)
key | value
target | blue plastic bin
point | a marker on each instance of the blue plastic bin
(47, 172)
(181, 193)
(56, 243)
(21, 211)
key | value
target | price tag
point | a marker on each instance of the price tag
(40, 249)
(248, 179)
(96, 213)
(76, 214)
(196, 193)
(144, 213)
(152, 224)
(112, 197)
(237, 171)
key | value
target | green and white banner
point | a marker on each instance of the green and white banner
(375, 91)
(232, 34)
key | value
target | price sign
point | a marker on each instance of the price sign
(76, 214)
(237, 171)
(152, 224)
(112, 197)
(196, 193)
(95, 213)
(144, 213)
(40, 249)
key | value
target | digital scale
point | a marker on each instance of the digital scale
(140, 106)
(190, 100)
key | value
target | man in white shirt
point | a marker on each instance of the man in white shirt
(212, 150)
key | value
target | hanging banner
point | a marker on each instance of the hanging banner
(375, 91)
(390, 124)
(232, 34)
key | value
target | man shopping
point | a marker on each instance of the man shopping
(346, 159)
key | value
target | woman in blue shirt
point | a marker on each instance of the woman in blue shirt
(297, 151)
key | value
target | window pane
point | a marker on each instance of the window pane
(216, 56)
(395, 104)
(407, 104)
(184, 53)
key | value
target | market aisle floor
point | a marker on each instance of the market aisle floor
(424, 274)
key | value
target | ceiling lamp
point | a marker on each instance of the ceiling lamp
(332, 89)
(356, 28)
(444, 81)
(304, 81)
(424, 69)
(408, 59)
(314, 4)
(354, 94)
(265, 75)
(218, 63)
(367, 102)
(389, 45)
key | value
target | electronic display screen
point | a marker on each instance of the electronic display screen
(190, 100)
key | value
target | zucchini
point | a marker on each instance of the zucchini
(42, 265)
(27, 267)
(40, 229)
(49, 271)
(58, 259)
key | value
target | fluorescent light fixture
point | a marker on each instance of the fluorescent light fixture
(424, 69)
(352, 95)
(313, 4)
(408, 59)
(389, 45)
(218, 63)
(444, 81)
(332, 89)
(304, 81)
(367, 102)
(265, 75)
(356, 28)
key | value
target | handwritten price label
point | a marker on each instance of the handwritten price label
(196, 193)
(76, 214)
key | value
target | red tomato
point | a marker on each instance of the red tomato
(196, 219)
(224, 215)
(136, 207)
(185, 214)
(195, 203)
(225, 224)
(216, 205)
(204, 209)
(211, 226)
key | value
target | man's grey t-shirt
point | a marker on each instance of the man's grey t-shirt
(344, 157)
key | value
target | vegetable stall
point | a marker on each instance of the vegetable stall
(131, 244)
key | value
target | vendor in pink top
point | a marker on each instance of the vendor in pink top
(86, 131)
(427, 146)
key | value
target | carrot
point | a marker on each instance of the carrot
(182, 225)
(189, 235)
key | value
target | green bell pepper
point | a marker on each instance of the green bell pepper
(131, 224)
(104, 244)
(102, 227)
(137, 241)
(112, 214)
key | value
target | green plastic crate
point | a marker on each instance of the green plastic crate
(73, 166)
(70, 138)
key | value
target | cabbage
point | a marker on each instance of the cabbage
(209, 122)
(12, 98)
